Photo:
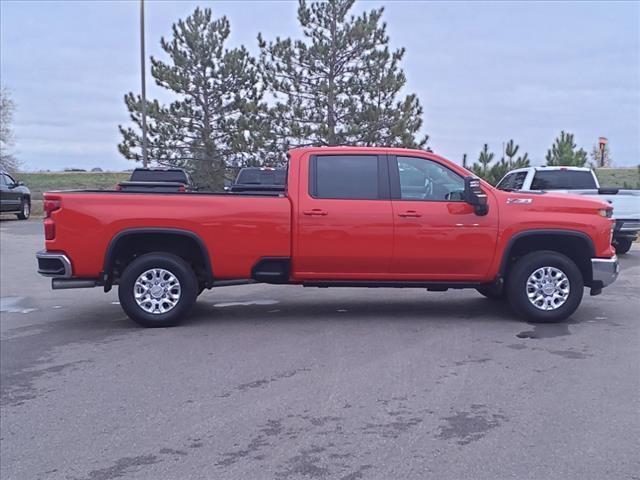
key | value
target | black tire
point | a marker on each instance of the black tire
(25, 210)
(176, 266)
(623, 245)
(519, 274)
(492, 293)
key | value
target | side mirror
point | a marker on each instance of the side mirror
(474, 195)
(19, 184)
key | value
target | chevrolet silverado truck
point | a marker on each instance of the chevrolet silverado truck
(347, 217)
(582, 181)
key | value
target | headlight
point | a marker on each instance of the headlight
(605, 212)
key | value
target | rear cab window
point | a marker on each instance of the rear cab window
(258, 176)
(354, 177)
(563, 180)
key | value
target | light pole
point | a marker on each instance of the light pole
(145, 158)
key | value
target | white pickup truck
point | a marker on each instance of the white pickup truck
(582, 181)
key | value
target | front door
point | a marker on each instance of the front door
(438, 236)
(344, 219)
(6, 201)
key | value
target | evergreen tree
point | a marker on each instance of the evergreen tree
(511, 150)
(494, 173)
(212, 123)
(481, 167)
(563, 152)
(340, 84)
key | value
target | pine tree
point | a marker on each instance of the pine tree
(481, 168)
(563, 152)
(511, 150)
(494, 173)
(211, 124)
(341, 84)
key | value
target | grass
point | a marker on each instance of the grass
(39, 183)
(619, 177)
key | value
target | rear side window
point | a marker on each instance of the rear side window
(513, 181)
(563, 180)
(344, 177)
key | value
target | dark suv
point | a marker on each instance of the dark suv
(14, 197)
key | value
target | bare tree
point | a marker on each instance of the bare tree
(7, 107)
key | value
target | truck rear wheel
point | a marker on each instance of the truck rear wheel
(545, 286)
(158, 289)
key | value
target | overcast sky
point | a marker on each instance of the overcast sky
(484, 72)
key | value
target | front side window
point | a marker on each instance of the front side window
(513, 181)
(345, 177)
(422, 179)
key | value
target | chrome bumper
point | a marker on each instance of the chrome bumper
(604, 271)
(54, 264)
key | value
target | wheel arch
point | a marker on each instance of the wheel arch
(576, 245)
(134, 241)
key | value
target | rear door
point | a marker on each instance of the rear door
(344, 218)
(438, 236)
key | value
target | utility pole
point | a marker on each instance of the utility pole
(145, 158)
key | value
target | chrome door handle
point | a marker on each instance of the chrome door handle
(316, 212)
(410, 213)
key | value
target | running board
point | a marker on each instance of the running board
(432, 286)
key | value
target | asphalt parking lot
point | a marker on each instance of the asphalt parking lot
(268, 382)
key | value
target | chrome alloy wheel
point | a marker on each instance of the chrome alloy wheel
(26, 209)
(157, 291)
(548, 288)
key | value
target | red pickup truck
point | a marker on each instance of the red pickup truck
(347, 217)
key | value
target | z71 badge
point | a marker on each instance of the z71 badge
(519, 201)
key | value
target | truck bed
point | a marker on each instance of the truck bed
(242, 228)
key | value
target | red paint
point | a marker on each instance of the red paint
(326, 239)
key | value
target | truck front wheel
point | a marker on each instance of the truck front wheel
(545, 286)
(157, 289)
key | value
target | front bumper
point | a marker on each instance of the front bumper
(54, 264)
(604, 271)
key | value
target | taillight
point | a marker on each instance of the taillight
(50, 206)
(49, 229)
(182, 188)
